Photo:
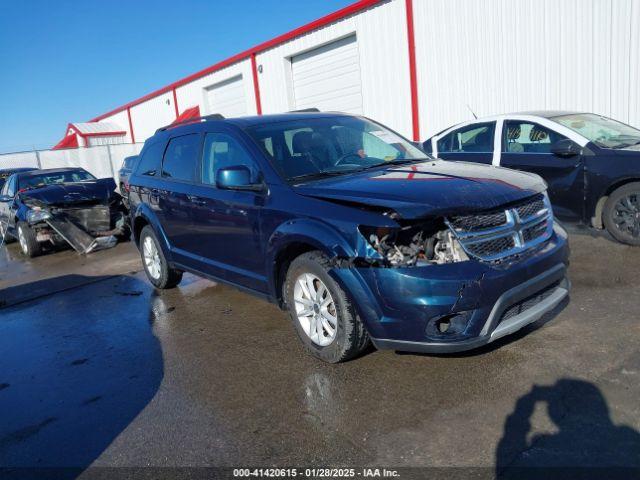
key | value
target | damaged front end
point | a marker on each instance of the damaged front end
(414, 244)
(447, 283)
(87, 222)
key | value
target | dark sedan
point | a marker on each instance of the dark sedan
(591, 163)
(61, 206)
(7, 172)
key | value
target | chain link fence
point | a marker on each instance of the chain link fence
(101, 161)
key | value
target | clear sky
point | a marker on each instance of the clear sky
(64, 61)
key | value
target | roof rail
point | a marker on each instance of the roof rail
(304, 110)
(205, 118)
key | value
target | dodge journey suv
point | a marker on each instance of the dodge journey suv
(351, 228)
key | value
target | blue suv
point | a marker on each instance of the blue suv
(353, 229)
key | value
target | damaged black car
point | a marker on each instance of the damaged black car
(59, 207)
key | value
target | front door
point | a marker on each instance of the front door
(471, 143)
(226, 223)
(527, 146)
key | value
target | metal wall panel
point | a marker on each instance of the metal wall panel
(194, 93)
(499, 56)
(328, 77)
(384, 64)
(227, 98)
(151, 115)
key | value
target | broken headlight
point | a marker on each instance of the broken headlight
(415, 244)
(37, 215)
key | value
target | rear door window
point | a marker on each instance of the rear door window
(149, 163)
(181, 157)
(476, 138)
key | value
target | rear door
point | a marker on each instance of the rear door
(226, 223)
(471, 143)
(526, 146)
(174, 197)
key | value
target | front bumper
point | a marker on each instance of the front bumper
(400, 305)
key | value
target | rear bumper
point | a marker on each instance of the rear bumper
(400, 306)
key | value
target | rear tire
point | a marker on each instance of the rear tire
(621, 214)
(158, 271)
(29, 245)
(350, 338)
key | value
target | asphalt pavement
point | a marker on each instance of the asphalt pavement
(99, 370)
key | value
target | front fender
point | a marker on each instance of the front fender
(321, 236)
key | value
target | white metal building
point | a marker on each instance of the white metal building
(420, 66)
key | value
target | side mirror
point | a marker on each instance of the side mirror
(565, 148)
(5, 199)
(237, 178)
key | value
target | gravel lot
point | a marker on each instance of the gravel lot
(97, 369)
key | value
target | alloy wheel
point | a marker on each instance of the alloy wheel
(151, 257)
(315, 309)
(626, 215)
(23, 241)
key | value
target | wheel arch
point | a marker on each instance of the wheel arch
(596, 217)
(294, 238)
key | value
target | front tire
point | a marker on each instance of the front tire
(621, 214)
(158, 271)
(323, 316)
(29, 245)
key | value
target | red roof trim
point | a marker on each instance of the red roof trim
(413, 75)
(104, 134)
(189, 113)
(95, 134)
(321, 22)
(133, 137)
(256, 85)
(175, 103)
(69, 141)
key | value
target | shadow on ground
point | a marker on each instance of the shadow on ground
(583, 441)
(74, 374)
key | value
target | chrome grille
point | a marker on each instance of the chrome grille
(498, 234)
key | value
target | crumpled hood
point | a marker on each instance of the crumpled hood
(89, 191)
(433, 187)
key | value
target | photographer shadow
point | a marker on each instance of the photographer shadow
(587, 443)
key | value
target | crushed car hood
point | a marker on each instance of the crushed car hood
(89, 191)
(433, 187)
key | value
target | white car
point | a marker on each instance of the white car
(591, 163)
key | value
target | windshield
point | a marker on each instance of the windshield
(42, 180)
(602, 131)
(318, 147)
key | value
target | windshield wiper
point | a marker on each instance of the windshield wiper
(403, 161)
(317, 175)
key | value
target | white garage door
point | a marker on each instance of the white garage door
(329, 77)
(227, 98)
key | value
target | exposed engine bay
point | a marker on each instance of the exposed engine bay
(416, 244)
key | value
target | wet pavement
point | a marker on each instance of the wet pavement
(108, 372)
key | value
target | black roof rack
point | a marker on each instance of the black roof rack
(313, 109)
(205, 118)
